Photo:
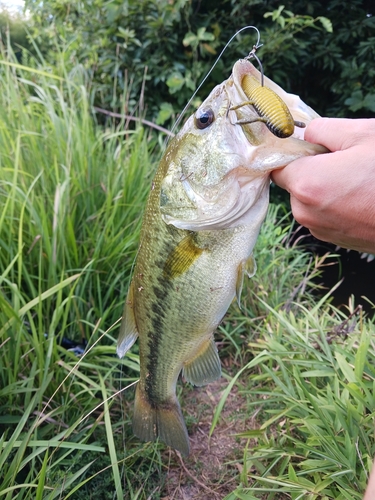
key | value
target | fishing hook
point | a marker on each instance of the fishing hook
(252, 54)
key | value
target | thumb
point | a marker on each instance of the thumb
(338, 134)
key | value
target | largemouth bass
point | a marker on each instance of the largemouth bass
(206, 205)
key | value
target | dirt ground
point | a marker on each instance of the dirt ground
(209, 471)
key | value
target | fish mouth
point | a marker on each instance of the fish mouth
(220, 207)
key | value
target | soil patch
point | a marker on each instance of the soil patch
(210, 471)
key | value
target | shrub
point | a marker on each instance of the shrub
(161, 49)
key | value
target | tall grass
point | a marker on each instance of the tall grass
(71, 198)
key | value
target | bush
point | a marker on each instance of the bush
(150, 56)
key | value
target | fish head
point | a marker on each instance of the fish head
(216, 170)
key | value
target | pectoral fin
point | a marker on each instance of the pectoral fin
(249, 267)
(128, 329)
(205, 367)
(182, 257)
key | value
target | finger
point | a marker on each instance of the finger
(287, 176)
(314, 180)
(280, 177)
(339, 133)
(343, 240)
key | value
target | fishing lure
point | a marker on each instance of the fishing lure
(272, 110)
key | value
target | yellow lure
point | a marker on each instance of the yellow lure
(271, 109)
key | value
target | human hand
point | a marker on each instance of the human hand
(333, 194)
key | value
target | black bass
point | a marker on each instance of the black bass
(206, 205)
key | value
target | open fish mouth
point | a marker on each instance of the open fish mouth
(226, 155)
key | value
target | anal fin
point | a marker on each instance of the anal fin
(205, 367)
(163, 421)
(128, 328)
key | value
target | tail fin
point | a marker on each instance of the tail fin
(164, 422)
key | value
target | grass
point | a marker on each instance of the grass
(71, 198)
(311, 380)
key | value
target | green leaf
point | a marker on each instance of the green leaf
(281, 21)
(369, 102)
(53, 443)
(355, 101)
(48, 293)
(165, 112)
(326, 23)
(277, 13)
(346, 369)
(324, 372)
(42, 478)
(31, 70)
(361, 354)
(175, 82)
(253, 433)
(202, 35)
(111, 443)
(190, 39)
(292, 474)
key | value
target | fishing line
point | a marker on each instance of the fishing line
(251, 54)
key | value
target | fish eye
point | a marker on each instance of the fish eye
(204, 119)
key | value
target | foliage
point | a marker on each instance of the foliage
(312, 380)
(13, 29)
(161, 49)
(71, 196)
(76, 192)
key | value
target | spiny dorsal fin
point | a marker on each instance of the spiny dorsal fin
(182, 257)
(205, 367)
(128, 329)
